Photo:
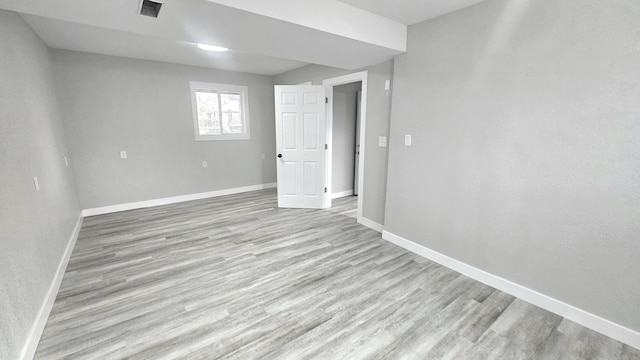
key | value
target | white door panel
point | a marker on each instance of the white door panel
(289, 178)
(311, 135)
(289, 131)
(300, 139)
(310, 179)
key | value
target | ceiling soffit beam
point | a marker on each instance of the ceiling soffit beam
(332, 17)
(201, 21)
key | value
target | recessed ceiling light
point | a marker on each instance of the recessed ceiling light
(212, 48)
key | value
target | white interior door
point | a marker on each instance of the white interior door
(300, 145)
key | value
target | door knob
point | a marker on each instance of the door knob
(279, 155)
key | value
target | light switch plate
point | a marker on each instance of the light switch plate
(407, 140)
(205, 164)
(36, 183)
(123, 154)
(382, 141)
(387, 84)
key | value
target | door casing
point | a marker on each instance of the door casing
(329, 84)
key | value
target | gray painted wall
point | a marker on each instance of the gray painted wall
(378, 114)
(526, 140)
(345, 103)
(35, 227)
(144, 107)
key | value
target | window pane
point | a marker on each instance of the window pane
(207, 105)
(219, 111)
(231, 115)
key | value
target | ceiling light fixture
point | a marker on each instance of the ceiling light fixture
(212, 48)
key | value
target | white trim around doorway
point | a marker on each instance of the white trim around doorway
(329, 84)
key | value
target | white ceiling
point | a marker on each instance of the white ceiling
(79, 37)
(410, 12)
(265, 37)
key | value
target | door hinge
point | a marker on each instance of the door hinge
(325, 190)
(326, 100)
(326, 146)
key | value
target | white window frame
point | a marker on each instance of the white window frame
(244, 106)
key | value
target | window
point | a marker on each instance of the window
(219, 111)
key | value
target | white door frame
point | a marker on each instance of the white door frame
(329, 84)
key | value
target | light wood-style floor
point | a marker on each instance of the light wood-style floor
(237, 278)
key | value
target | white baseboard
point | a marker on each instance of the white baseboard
(29, 350)
(342, 194)
(594, 322)
(173, 199)
(370, 224)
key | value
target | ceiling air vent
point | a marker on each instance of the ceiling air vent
(150, 8)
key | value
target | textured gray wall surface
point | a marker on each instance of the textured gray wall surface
(525, 161)
(35, 227)
(144, 107)
(378, 114)
(345, 103)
